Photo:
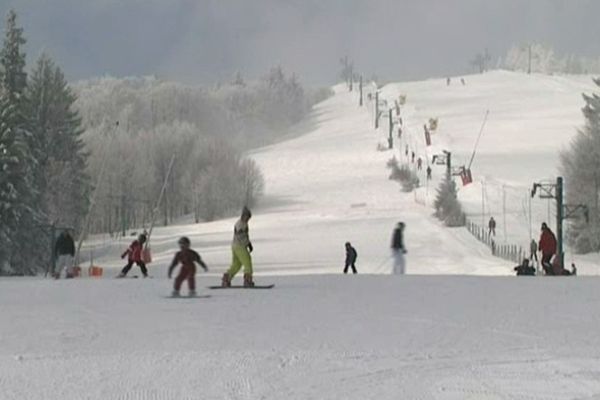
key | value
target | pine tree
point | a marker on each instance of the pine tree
(14, 179)
(12, 58)
(447, 207)
(19, 192)
(58, 148)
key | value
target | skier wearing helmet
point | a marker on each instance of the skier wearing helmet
(241, 248)
(188, 259)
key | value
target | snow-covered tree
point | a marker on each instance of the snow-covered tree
(56, 131)
(581, 168)
(12, 58)
(446, 204)
(19, 216)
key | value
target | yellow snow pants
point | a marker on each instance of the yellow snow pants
(240, 256)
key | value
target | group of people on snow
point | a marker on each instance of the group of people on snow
(550, 260)
(398, 252)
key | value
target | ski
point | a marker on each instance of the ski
(200, 296)
(243, 287)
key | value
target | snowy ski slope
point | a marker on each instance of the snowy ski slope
(318, 335)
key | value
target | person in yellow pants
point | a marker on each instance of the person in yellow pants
(241, 249)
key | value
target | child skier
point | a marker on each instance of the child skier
(241, 247)
(134, 256)
(351, 256)
(188, 259)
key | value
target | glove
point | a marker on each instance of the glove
(250, 248)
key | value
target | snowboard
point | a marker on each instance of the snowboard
(243, 287)
(198, 296)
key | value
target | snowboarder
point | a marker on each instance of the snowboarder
(398, 249)
(492, 227)
(351, 256)
(547, 245)
(64, 251)
(525, 269)
(134, 256)
(241, 248)
(419, 164)
(188, 259)
(429, 171)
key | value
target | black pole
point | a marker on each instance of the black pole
(360, 101)
(376, 109)
(559, 219)
(391, 129)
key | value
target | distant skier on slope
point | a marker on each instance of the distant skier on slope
(241, 248)
(134, 256)
(547, 245)
(351, 256)
(419, 164)
(188, 259)
(398, 249)
(533, 247)
(64, 251)
(429, 171)
(492, 227)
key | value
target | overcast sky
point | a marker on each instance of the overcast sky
(202, 41)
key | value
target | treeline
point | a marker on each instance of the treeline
(541, 58)
(95, 156)
(134, 127)
(42, 158)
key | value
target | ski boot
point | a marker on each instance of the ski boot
(175, 293)
(248, 282)
(192, 293)
(226, 280)
(121, 275)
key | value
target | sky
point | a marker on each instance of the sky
(205, 41)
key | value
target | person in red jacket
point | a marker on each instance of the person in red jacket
(134, 256)
(547, 246)
(188, 259)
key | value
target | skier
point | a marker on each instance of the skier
(462, 80)
(351, 256)
(241, 248)
(547, 245)
(134, 256)
(406, 150)
(429, 173)
(419, 164)
(533, 246)
(525, 269)
(64, 251)
(492, 227)
(448, 80)
(398, 249)
(412, 157)
(188, 259)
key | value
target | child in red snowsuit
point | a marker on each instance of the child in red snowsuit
(188, 259)
(134, 256)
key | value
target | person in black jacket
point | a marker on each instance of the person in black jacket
(351, 256)
(398, 249)
(64, 251)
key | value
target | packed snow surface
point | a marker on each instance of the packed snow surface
(311, 337)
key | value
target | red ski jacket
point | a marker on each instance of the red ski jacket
(134, 252)
(547, 242)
